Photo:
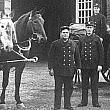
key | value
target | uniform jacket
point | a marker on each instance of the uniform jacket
(92, 52)
(100, 25)
(64, 58)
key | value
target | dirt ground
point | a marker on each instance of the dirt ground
(37, 90)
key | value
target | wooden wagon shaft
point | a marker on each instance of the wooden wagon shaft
(34, 59)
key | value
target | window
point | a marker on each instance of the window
(84, 10)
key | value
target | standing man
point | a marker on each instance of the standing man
(99, 22)
(91, 50)
(100, 29)
(64, 58)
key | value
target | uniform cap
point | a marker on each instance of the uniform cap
(89, 23)
(64, 27)
(96, 5)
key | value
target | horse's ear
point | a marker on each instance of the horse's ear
(12, 14)
(33, 11)
(41, 11)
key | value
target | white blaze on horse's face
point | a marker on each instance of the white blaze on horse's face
(40, 18)
(6, 30)
(37, 17)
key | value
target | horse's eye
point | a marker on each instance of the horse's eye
(2, 26)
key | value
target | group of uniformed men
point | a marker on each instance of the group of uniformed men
(87, 58)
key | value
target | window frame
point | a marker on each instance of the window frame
(82, 10)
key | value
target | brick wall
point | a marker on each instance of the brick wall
(108, 12)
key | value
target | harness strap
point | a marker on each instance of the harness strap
(25, 48)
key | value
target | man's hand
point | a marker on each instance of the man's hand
(51, 72)
(99, 68)
(79, 71)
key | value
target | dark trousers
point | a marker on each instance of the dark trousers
(94, 76)
(68, 89)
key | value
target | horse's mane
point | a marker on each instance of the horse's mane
(21, 24)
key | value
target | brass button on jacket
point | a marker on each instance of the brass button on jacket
(93, 55)
(62, 57)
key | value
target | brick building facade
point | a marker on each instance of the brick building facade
(108, 12)
(83, 9)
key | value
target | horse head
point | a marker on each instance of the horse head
(30, 25)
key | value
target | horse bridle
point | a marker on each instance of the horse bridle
(29, 40)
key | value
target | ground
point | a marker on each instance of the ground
(37, 90)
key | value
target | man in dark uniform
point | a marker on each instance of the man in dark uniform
(91, 50)
(100, 28)
(64, 58)
(99, 22)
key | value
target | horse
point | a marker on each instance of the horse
(27, 28)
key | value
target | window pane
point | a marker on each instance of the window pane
(89, 12)
(82, 20)
(89, 4)
(79, 5)
(79, 13)
(82, 13)
(79, 20)
(86, 13)
(86, 5)
(82, 5)
(79, 0)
